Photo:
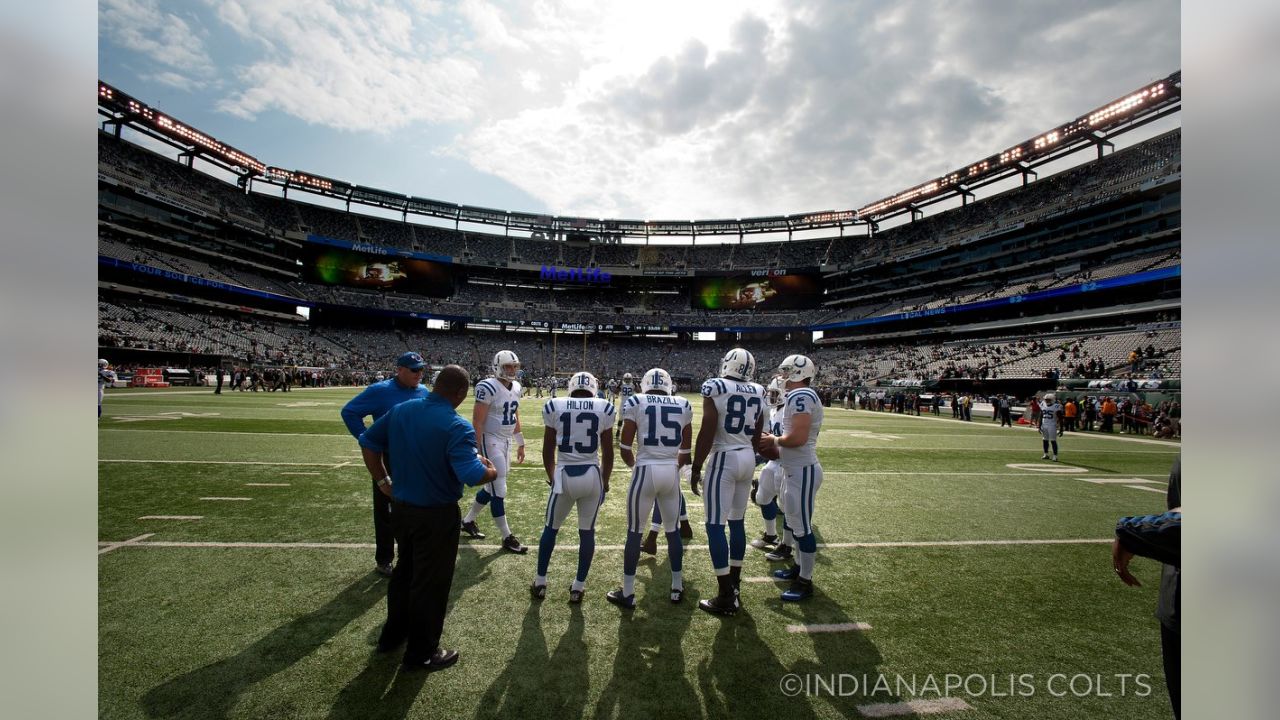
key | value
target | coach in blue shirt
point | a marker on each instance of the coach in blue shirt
(433, 454)
(376, 400)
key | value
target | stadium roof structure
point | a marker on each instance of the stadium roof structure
(1093, 129)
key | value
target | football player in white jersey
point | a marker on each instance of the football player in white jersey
(802, 473)
(577, 428)
(764, 490)
(625, 391)
(1050, 425)
(106, 376)
(659, 423)
(496, 418)
(732, 421)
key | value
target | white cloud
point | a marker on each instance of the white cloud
(142, 26)
(352, 66)
(175, 80)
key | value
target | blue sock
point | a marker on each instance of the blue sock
(737, 539)
(719, 546)
(675, 551)
(586, 549)
(483, 497)
(1045, 443)
(498, 508)
(657, 515)
(770, 511)
(808, 543)
(631, 553)
(684, 511)
(545, 546)
(1055, 447)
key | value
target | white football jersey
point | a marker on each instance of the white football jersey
(800, 401)
(775, 421)
(504, 406)
(740, 406)
(1049, 413)
(106, 377)
(660, 421)
(578, 423)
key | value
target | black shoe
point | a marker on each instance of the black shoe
(764, 541)
(783, 552)
(686, 530)
(470, 528)
(575, 596)
(720, 605)
(649, 545)
(439, 660)
(800, 589)
(511, 544)
(383, 569)
(539, 592)
(626, 602)
(677, 594)
(790, 573)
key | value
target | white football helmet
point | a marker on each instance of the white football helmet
(1049, 398)
(738, 364)
(506, 366)
(656, 379)
(775, 392)
(102, 363)
(626, 377)
(797, 368)
(583, 381)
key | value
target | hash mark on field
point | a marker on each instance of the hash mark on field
(171, 517)
(758, 579)
(299, 473)
(131, 541)
(226, 498)
(266, 484)
(1115, 481)
(1148, 489)
(914, 707)
(831, 628)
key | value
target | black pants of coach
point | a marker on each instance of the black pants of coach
(384, 539)
(418, 595)
(1171, 649)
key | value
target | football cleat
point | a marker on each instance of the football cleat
(511, 544)
(383, 570)
(800, 589)
(686, 530)
(1044, 456)
(720, 605)
(473, 530)
(575, 596)
(765, 540)
(538, 592)
(677, 594)
(649, 545)
(1055, 458)
(790, 573)
(626, 602)
(783, 552)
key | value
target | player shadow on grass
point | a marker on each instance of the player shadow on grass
(214, 690)
(648, 679)
(379, 691)
(740, 674)
(536, 683)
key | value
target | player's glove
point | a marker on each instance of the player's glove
(695, 479)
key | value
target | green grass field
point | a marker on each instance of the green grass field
(269, 607)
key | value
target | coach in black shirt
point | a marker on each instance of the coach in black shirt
(433, 454)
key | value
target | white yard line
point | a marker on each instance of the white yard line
(831, 628)
(1162, 491)
(978, 425)
(132, 541)
(266, 484)
(216, 462)
(299, 473)
(831, 546)
(236, 499)
(171, 517)
(914, 707)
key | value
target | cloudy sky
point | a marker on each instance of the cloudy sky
(651, 109)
